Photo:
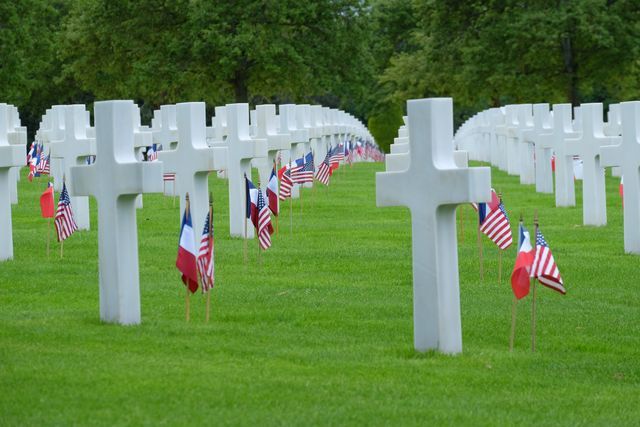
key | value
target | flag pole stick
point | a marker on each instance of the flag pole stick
(300, 192)
(513, 322)
(275, 168)
(211, 249)
(257, 235)
(173, 184)
(533, 302)
(48, 235)
(291, 212)
(61, 249)
(244, 218)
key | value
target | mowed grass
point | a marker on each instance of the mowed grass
(320, 330)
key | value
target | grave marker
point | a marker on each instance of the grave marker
(432, 186)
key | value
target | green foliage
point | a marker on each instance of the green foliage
(320, 332)
(384, 125)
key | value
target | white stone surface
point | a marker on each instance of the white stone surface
(587, 145)
(71, 150)
(431, 187)
(192, 160)
(299, 137)
(115, 179)
(267, 128)
(11, 155)
(562, 132)
(512, 144)
(241, 149)
(626, 155)
(525, 142)
(52, 130)
(165, 132)
(543, 137)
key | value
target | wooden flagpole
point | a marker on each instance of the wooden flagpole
(188, 294)
(291, 212)
(313, 183)
(533, 302)
(514, 306)
(500, 252)
(300, 192)
(174, 191)
(61, 249)
(244, 218)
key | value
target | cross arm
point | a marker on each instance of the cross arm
(12, 155)
(394, 189)
(611, 155)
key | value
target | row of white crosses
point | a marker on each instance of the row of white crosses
(566, 133)
(12, 154)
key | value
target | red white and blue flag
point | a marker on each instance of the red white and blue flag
(494, 222)
(304, 170)
(64, 221)
(186, 261)
(272, 192)
(44, 167)
(324, 170)
(264, 228)
(522, 269)
(252, 202)
(286, 183)
(544, 267)
(152, 154)
(337, 155)
(205, 256)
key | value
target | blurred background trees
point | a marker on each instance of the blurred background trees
(366, 57)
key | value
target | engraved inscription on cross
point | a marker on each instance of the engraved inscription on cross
(115, 180)
(191, 160)
(266, 128)
(72, 150)
(626, 155)
(432, 187)
(587, 145)
(562, 133)
(11, 155)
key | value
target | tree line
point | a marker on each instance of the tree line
(366, 57)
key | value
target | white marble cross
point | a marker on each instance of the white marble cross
(115, 179)
(191, 161)
(543, 136)
(11, 155)
(587, 145)
(432, 187)
(72, 149)
(562, 132)
(267, 128)
(512, 144)
(317, 134)
(16, 135)
(525, 142)
(496, 124)
(165, 133)
(299, 137)
(626, 155)
(52, 130)
(241, 150)
(613, 127)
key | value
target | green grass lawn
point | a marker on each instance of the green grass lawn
(320, 332)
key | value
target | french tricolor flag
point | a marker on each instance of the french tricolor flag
(272, 192)
(522, 269)
(252, 202)
(186, 261)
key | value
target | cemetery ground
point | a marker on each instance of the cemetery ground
(319, 331)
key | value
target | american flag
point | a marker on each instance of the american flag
(169, 176)
(265, 229)
(32, 153)
(304, 173)
(44, 167)
(152, 154)
(205, 256)
(324, 170)
(496, 227)
(544, 266)
(64, 222)
(286, 184)
(337, 155)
